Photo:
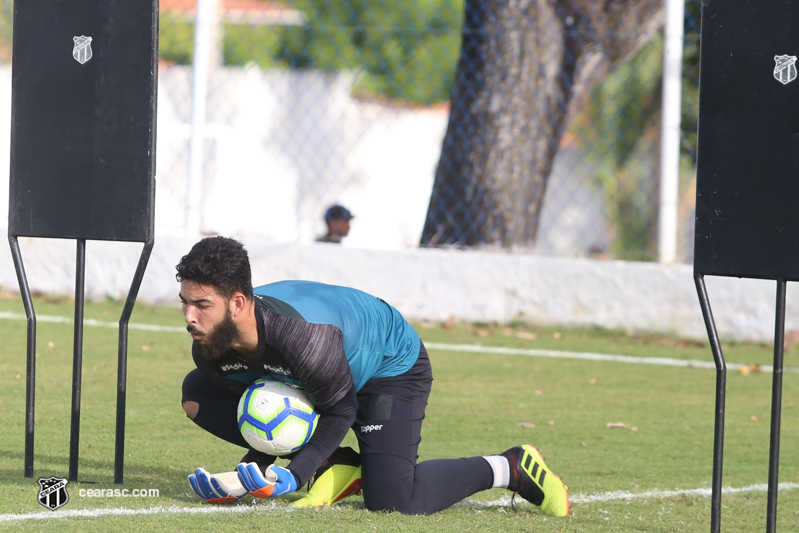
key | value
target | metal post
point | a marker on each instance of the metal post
(77, 360)
(207, 55)
(721, 390)
(30, 373)
(776, 408)
(670, 132)
(122, 368)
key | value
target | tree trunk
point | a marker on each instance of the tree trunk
(524, 65)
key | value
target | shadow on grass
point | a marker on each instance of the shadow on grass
(171, 482)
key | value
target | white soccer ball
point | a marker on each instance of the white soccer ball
(275, 417)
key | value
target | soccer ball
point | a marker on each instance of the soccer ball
(275, 417)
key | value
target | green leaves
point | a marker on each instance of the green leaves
(401, 49)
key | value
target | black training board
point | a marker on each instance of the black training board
(83, 131)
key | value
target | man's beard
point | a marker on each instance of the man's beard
(219, 340)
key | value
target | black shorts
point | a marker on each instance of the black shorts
(388, 427)
(391, 411)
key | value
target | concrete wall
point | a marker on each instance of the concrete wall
(438, 284)
(282, 146)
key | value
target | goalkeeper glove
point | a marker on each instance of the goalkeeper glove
(276, 481)
(217, 488)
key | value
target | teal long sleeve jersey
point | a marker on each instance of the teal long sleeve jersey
(330, 341)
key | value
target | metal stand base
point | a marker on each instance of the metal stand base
(77, 358)
(721, 386)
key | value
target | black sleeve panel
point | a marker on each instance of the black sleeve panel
(330, 431)
(315, 354)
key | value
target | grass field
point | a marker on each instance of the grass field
(651, 472)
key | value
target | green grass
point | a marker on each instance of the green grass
(477, 406)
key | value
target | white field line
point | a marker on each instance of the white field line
(124, 511)
(702, 493)
(591, 356)
(94, 323)
(473, 348)
(272, 506)
(602, 497)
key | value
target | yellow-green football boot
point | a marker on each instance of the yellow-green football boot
(533, 481)
(337, 478)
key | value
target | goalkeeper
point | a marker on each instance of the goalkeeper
(363, 367)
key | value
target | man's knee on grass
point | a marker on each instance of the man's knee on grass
(393, 504)
(191, 408)
(390, 495)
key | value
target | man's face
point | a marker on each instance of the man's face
(339, 227)
(208, 318)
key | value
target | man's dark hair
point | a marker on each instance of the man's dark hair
(221, 262)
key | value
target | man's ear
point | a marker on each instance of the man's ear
(238, 304)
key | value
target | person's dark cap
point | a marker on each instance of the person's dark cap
(338, 212)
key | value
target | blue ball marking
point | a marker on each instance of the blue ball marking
(270, 426)
(250, 390)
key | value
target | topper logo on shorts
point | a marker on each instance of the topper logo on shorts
(369, 429)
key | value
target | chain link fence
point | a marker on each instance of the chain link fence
(502, 125)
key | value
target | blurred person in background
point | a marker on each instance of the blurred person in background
(337, 218)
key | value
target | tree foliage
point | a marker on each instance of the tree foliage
(619, 133)
(403, 49)
(618, 130)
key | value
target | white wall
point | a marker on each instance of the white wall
(438, 284)
(283, 145)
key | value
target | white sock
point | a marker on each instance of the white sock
(501, 468)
